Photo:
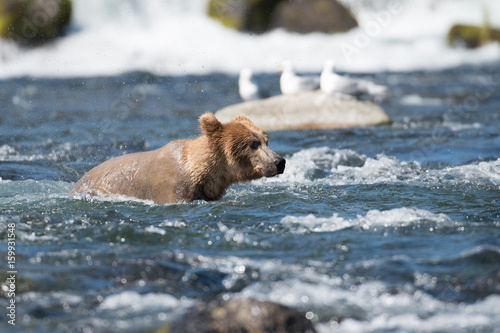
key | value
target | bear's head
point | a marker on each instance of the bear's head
(244, 146)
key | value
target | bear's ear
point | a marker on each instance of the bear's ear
(209, 124)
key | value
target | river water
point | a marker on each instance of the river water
(390, 228)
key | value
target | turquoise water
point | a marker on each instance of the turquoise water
(391, 228)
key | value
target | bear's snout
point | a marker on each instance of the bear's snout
(280, 164)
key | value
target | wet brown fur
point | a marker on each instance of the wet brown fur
(186, 170)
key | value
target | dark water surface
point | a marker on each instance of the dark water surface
(391, 228)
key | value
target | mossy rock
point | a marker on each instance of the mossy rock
(472, 36)
(33, 22)
(301, 16)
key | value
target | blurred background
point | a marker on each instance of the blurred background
(178, 37)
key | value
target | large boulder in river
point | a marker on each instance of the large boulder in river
(242, 315)
(301, 16)
(32, 22)
(308, 110)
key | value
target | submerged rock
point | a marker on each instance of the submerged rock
(301, 16)
(32, 22)
(308, 110)
(472, 36)
(242, 315)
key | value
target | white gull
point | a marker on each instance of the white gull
(290, 83)
(333, 83)
(248, 89)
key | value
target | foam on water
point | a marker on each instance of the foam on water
(374, 307)
(155, 230)
(346, 167)
(109, 37)
(57, 297)
(415, 99)
(32, 191)
(380, 169)
(398, 217)
(343, 167)
(311, 223)
(410, 317)
(57, 152)
(456, 127)
(482, 173)
(140, 310)
(8, 153)
(232, 235)
(112, 198)
(303, 166)
(133, 301)
(173, 224)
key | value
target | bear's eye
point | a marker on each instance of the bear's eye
(254, 145)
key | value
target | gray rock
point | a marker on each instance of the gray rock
(242, 316)
(308, 110)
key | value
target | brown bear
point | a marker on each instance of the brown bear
(187, 170)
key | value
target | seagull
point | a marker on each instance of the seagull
(333, 83)
(292, 84)
(249, 91)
